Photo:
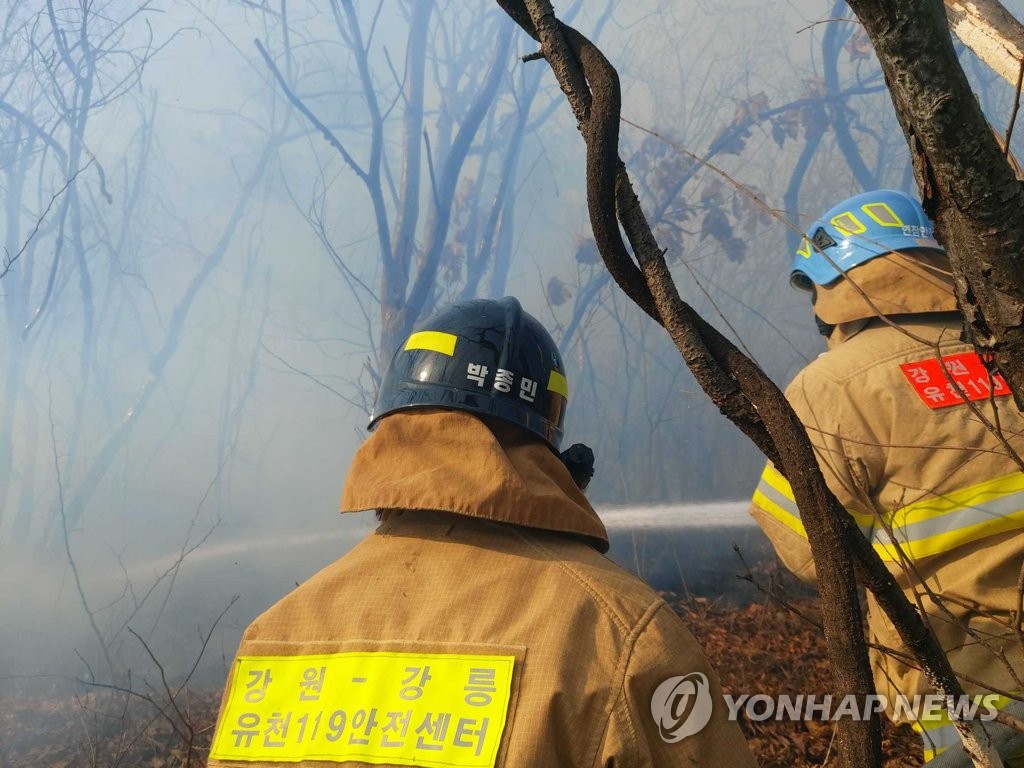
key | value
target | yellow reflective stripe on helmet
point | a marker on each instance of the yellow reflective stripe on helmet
(558, 384)
(882, 214)
(433, 341)
(960, 517)
(847, 223)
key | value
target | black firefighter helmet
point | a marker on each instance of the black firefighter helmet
(485, 356)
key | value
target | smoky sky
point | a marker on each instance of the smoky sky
(191, 348)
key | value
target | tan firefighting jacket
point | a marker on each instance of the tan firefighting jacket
(928, 483)
(495, 631)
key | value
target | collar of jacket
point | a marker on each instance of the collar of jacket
(451, 461)
(942, 326)
(844, 331)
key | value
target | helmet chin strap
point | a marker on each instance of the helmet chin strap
(825, 329)
(579, 460)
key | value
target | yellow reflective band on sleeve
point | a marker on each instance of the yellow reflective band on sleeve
(777, 480)
(780, 513)
(960, 517)
(558, 384)
(922, 529)
(939, 734)
(774, 495)
(418, 709)
(936, 738)
(432, 341)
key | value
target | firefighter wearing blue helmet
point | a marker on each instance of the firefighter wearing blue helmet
(888, 411)
(873, 255)
(480, 624)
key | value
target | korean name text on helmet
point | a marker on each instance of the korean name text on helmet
(486, 356)
(858, 230)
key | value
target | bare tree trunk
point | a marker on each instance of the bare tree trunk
(969, 188)
(104, 458)
(14, 304)
(839, 111)
(988, 29)
(409, 213)
(415, 218)
(419, 298)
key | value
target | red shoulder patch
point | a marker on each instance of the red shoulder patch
(967, 380)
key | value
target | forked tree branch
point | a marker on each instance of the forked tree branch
(737, 386)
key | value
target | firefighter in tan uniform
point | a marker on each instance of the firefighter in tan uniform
(917, 440)
(480, 625)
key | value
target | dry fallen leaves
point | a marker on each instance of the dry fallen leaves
(769, 649)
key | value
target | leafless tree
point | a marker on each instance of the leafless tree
(433, 139)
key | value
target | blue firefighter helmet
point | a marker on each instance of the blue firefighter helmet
(858, 230)
(486, 356)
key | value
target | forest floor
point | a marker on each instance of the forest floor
(772, 649)
(763, 648)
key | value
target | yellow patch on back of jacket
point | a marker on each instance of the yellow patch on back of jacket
(965, 377)
(421, 709)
